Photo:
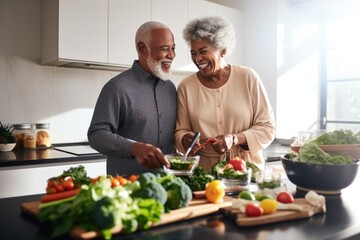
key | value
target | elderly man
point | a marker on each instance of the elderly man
(134, 117)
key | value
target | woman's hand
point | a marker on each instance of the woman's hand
(186, 141)
(223, 143)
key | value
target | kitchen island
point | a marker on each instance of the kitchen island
(341, 221)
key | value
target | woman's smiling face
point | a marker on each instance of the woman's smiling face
(206, 57)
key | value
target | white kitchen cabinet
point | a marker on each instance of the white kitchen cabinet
(201, 8)
(86, 33)
(122, 43)
(31, 179)
(125, 17)
(174, 13)
(74, 31)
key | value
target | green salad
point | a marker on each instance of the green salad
(217, 171)
(177, 163)
(272, 184)
(338, 137)
(230, 173)
(311, 153)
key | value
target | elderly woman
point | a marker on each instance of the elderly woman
(226, 103)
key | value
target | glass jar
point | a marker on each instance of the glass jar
(30, 138)
(20, 132)
(42, 133)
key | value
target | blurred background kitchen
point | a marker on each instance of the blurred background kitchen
(306, 52)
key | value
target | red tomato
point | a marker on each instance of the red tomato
(59, 188)
(50, 190)
(68, 184)
(285, 197)
(253, 210)
(50, 182)
(239, 164)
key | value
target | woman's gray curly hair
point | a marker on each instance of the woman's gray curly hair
(216, 29)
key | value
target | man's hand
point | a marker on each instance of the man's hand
(149, 155)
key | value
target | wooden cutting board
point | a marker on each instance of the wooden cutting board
(197, 207)
(279, 216)
(198, 194)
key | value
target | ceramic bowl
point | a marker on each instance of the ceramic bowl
(321, 178)
(181, 166)
(7, 147)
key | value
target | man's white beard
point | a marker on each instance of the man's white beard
(157, 70)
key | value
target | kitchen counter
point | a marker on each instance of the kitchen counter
(275, 151)
(19, 157)
(341, 221)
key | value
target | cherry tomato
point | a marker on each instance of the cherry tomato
(68, 184)
(58, 186)
(50, 182)
(253, 210)
(50, 190)
(285, 197)
(269, 205)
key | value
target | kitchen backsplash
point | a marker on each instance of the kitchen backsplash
(63, 97)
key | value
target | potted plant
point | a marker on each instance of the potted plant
(7, 139)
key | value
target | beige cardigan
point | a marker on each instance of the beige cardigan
(240, 105)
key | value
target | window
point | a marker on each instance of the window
(341, 77)
(318, 83)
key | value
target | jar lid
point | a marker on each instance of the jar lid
(22, 126)
(42, 125)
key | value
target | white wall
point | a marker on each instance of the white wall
(259, 41)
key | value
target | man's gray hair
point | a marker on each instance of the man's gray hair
(216, 29)
(143, 34)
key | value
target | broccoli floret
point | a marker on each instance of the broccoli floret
(104, 213)
(160, 172)
(167, 180)
(178, 192)
(146, 178)
(151, 190)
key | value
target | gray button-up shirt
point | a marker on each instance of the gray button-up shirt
(133, 106)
